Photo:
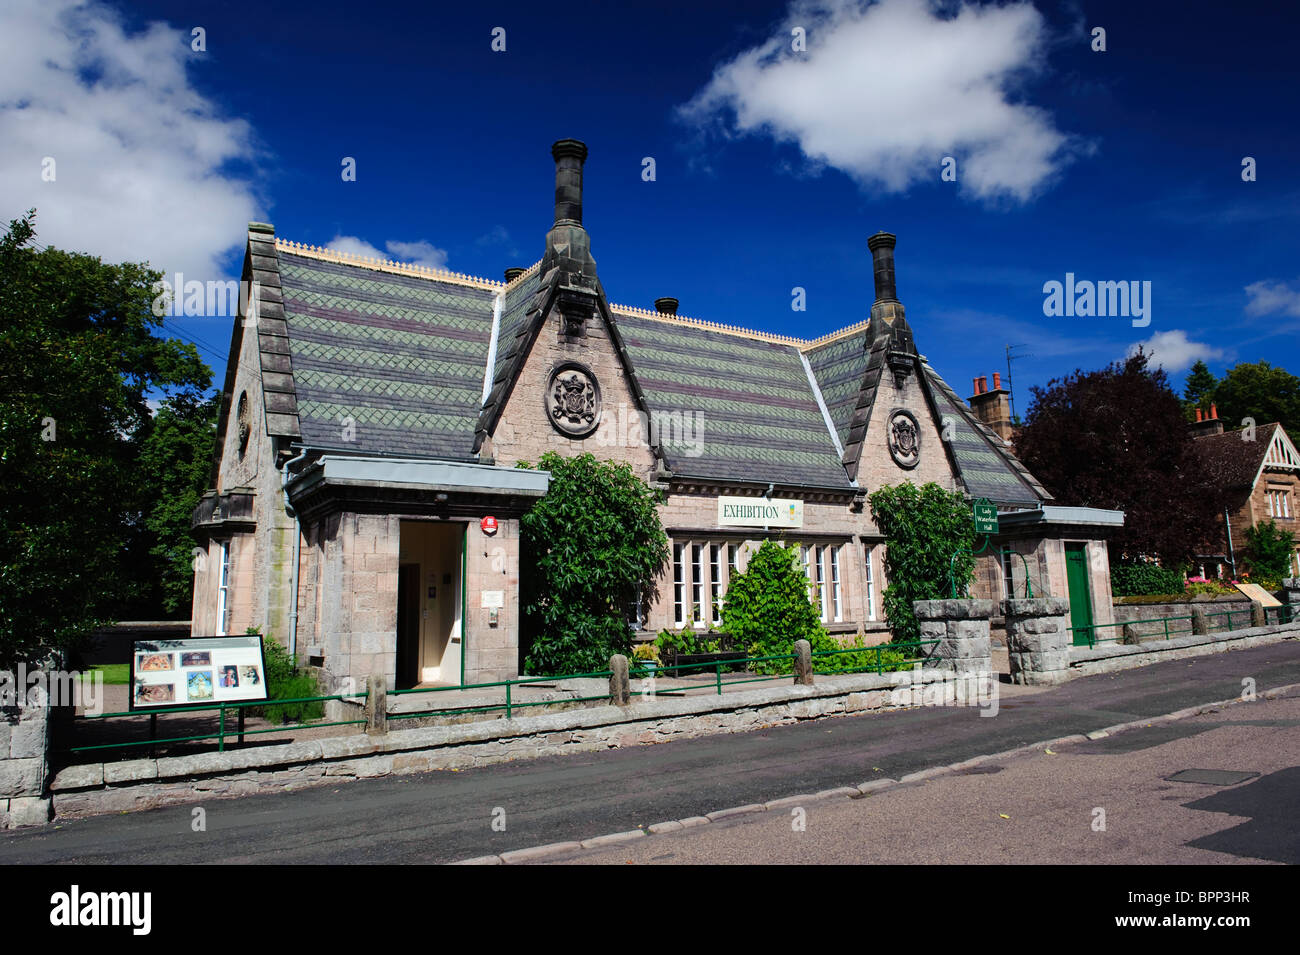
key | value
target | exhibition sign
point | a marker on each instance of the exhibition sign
(197, 671)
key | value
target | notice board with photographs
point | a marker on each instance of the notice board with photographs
(196, 671)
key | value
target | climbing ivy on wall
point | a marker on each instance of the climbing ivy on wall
(923, 528)
(589, 548)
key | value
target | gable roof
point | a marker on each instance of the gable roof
(402, 354)
(1238, 462)
(400, 357)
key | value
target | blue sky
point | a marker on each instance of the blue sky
(773, 166)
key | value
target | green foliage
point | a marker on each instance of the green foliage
(689, 641)
(78, 365)
(588, 549)
(175, 462)
(767, 608)
(863, 660)
(1261, 391)
(923, 528)
(284, 682)
(1269, 552)
(1209, 588)
(1142, 578)
(1199, 392)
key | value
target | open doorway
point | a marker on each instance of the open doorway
(430, 603)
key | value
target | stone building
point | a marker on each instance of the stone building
(1260, 468)
(366, 506)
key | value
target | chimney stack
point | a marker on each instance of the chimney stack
(882, 258)
(514, 273)
(666, 306)
(1206, 422)
(569, 155)
(993, 408)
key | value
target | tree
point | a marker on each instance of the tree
(590, 549)
(1270, 551)
(1199, 391)
(1117, 439)
(1262, 392)
(768, 608)
(929, 534)
(175, 460)
(78, 362)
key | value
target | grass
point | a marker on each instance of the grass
(115, 674)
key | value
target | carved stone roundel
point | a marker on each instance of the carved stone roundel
(572, 400)
(904, 439)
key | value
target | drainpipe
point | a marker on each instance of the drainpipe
(297, 554)
(1227, 522)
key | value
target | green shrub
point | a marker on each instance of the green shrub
(1269, 551)
(768, 609)
(283, 682)
(1142, 579)
(589, 548)
(861, 661)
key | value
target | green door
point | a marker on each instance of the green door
(1076, 575)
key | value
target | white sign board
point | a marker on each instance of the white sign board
(493, 599)
(197, 671)
(1258, 594)
(759, 512)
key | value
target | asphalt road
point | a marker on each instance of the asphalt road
(447, 816)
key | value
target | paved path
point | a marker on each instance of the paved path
(446, 816)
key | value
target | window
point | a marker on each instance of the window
(698, 610)
(679, 587)
(1279, 503)
(871, 582)
(223, 589)
(1008, 574)
(837, 595)
(714, 615)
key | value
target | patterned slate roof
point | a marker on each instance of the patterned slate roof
(1235, 462)
(403, 356)
(839, 366)
(986, 466)
(760, 421)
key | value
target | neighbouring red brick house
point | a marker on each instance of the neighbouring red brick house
(1261, 470)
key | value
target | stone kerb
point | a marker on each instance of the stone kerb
(24, 762)
(962, 629)
(1038, 639)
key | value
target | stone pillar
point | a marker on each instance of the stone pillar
(1200, 622)
(803, 674)
(24, 759)
(1257, 616)
(962, 629)
(1291, 597)
(1131, 636)
(620, 693)
(377, 704)
(1038, 639)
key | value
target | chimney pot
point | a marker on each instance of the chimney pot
(666, 306)
(1214, 411)
(997, 381)
(882, 258)
(569, 155)
(975, 386)
(1198, 415)
(514, 273)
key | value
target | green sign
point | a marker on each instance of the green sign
(986, 516)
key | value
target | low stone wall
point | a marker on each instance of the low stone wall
(1104, 658)
(147, 783)
(1146, 617)
(24, 766)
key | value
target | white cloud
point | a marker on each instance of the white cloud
(886, 90)
(1172, 350)
(1272, 299)
(417, 253)
(141, 159)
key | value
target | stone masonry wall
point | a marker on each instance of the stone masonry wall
(24, 765)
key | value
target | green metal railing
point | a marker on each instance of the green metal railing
(509, 705)
(1283, 614)
(641, 671)
(222, 731)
